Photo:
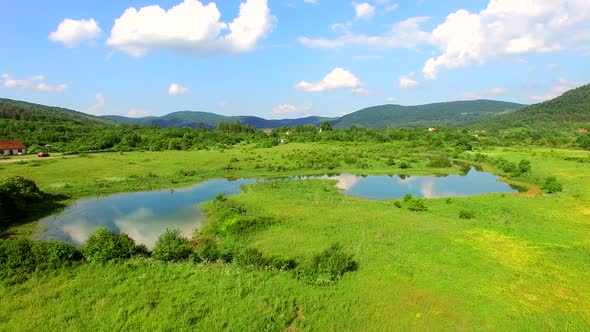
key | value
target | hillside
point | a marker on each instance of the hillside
(572, 107)
(210, 120)
(438, 114)
(23, 111)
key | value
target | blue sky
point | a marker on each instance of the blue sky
(288, 58)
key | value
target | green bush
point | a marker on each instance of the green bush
(408, 197)
(440, 162)
(17, 254)
(417, 204)
(172, 246)
(404, 165)
(466, 214)
(250, 257)
(281, 262)
(104, 245)
(524, 166)
(327, 267)
(552, 186)
(397, 204)
(54, 253)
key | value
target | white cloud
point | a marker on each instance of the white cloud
(311, 1)
(507, 27)
(136, 113)
(95, 109)
(562, 85)
(407, 81)
(336, 79)
(404, 34)
(33, 82)
(51, 88)
(496, 91)
(176, 89)
(191, 27)
(10, 82)
(392, 99)
(290, 108)
(72, 32)
(363, 10)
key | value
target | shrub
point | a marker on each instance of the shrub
(408, 197)
(404, 165)
(281, 262)
(397, 204)
(250, 257)
(524, 166)
(172, 246)
(208, 250)
(466, 214)
(327, 267)
(54, 253)
(440, 162)
(417, 204)
(509, 167)
(104, 245)
(17, 254)
(552, 186)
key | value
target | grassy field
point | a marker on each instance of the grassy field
(521, 263)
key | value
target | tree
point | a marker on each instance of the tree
(326, 126)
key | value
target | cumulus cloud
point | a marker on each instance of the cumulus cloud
(191, 28)
(407, 81)
(363, 10)
(34, 82)
(96, 108)
(73, 32)
(337, 79)
(290, 108)
(507, 27)
(404, 34)
(562, 85)
(391, 99)
(311, 1)
(176, 89)
(136, 113)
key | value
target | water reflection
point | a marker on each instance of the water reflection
(146, 215)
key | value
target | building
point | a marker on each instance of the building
(267, 132)
(583, 130)
(431, 129)
(11, 147)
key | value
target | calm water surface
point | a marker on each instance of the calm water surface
(146, 215)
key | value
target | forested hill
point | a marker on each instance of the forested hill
(572, 107)
(438, 114)
(210, 120)
(23, 111)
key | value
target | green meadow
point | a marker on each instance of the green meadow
(485, 262)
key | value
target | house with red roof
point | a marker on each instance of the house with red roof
(11, 147)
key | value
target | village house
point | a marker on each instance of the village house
(583, 130)
(267, 132)
(431, 129)
(12, 147)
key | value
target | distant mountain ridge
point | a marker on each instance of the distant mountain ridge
(455, 113)
(385, 116)
(210, 120)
